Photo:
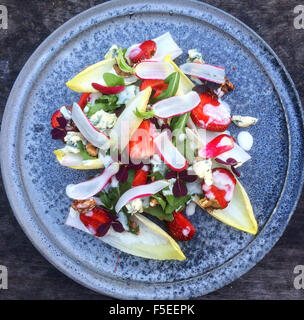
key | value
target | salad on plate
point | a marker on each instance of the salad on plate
(157, 134)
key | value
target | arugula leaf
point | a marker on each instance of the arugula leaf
(123, 187)
(122, 64)
(113, 80)
(158, 212)
(110, 198)
(107, 103)
(160, 200)
(177, 203)
(173, 82)
(84, 152)
(157, 175)
(145, 114)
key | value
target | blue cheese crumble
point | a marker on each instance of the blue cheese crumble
(71, 139)
(102, 120)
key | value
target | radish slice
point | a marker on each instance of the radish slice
(165, 45)
(88, 189)
(108, 90)
(169, 153)
(177, 105)
(217, 146)
(94, 136)
(205, 71)
(139, 192)
(153, 70)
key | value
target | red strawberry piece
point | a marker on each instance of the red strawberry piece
(181, 228)
(157, 85)
(144, 51)
(141, 177)
(141, 145)
(222, 188)
(94, 219)
(211, 114)
(84, 99)
(54, 121)
(217, 146)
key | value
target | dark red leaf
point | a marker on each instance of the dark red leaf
(235, 171)
(118, 227)
(62, 122)
(171, 174)
(185, 176)
(58, 133)
(103, 229)
(179, 188)
(122, 174)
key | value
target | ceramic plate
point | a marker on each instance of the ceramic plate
(35, 182)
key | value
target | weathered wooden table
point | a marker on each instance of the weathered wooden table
(30, 275)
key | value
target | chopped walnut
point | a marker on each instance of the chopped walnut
(227, 86)
(133, 225)
(120, 72)
(209, 203)
(92, 151)
(83, 206)
(153, 202)
(152, 178)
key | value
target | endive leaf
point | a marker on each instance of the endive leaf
(185, 84)
(75, 161)
(239, 213)
(152, 241)
(82, 82)
(128, 122)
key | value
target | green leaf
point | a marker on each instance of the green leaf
(122, 64)
(157, 175)
(107, 103)
(173, 83)
(160, 200)
(158, 212)
(84, 152)
(113, 80)
(123, 187)
(145, 114)
(178, 203)
(105, 200)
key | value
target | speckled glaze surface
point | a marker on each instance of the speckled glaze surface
(35, 182)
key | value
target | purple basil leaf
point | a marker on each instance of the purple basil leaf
(171, 174)
(235, 171)
(117, 226)
(103, 229)
(122, 174)
(135, 166)
(112, 217)
(231, 161)
(62, 122)
(58, 133)
(179, 189)
(221, 161)
(165, 126)
(185, 176)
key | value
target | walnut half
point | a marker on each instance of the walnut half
(92, 151)
(83, 206)
(209, 203)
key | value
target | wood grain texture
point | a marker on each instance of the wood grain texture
(30, 275)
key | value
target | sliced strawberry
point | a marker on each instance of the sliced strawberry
(217, 146)
(94, 219)
(54, 121)
(181, 228)
(141, 144)
(141, 177)
(222, 188)
(145, 51)
(157, 85)
(211, 114)
(84, 100)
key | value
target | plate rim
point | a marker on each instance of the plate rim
(6, 173)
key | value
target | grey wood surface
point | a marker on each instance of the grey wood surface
(30, 275)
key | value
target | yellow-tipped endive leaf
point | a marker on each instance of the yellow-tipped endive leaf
(185, 84)
(239, 213)
(94, 73)
(152, 241)
(75, 161)
(128, 122)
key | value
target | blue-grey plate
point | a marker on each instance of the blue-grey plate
(35, 182)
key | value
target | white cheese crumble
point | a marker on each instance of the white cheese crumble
(71, 139)
(104, 158)
(194, 54)
(244, 121)
(167, 192)
(127, 94)
(112, 52)
(245, 140)
(203, 169)
(135, 206)
(158, 164)
(102, 120)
